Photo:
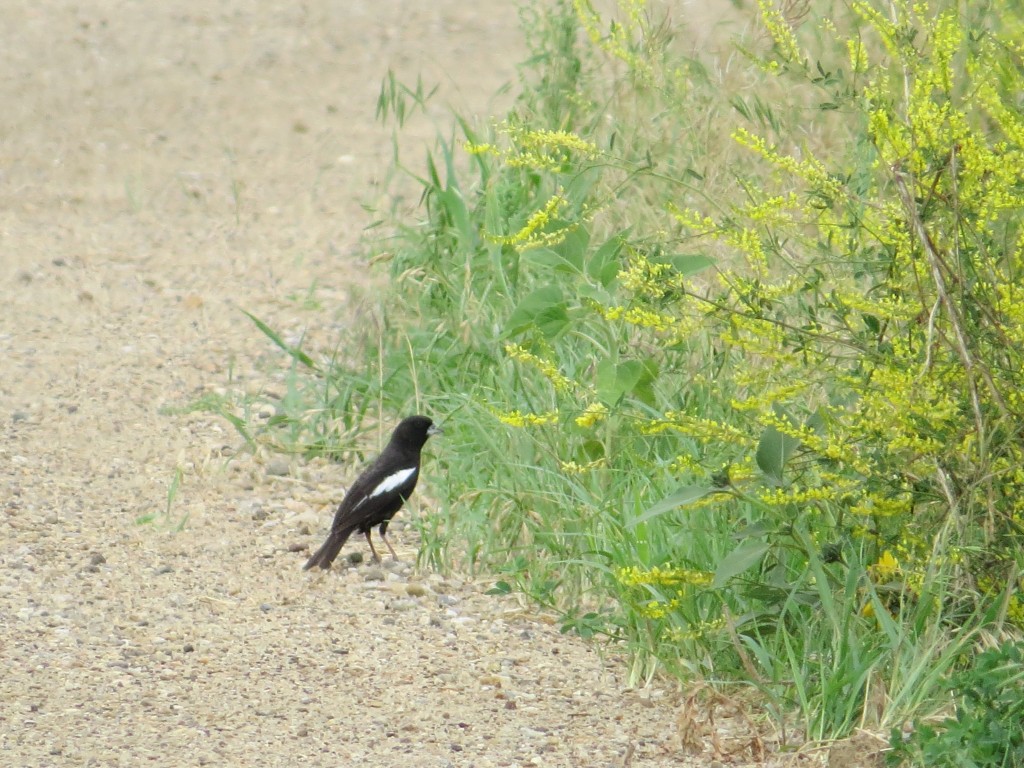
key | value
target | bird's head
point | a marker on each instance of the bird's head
(414, 431)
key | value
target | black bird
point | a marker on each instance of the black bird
(379, 492)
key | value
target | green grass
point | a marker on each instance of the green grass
(166, 518)
(718, 384)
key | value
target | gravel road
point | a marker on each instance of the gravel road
(163, 166)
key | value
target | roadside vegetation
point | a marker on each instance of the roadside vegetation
(728, 350)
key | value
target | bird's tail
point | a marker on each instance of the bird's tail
(330, 549)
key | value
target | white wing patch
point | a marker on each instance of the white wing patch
(392, 481)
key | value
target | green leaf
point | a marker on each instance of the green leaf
(500, 588)
(760, 528)
(632, 377)
(573, 245)
(614, 380)
(296, 353)
(816, 422)
(680, 497)
(594, 293)
(544, 309)
(690, 264)
(545, 257)
(773, 451)
(746, 555)
(458, 214)
(643, 390)
(603, 266)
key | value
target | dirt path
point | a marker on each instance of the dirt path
(162, 166)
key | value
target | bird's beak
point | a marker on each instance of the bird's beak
(433, 429)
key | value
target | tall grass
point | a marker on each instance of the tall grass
(728, 357)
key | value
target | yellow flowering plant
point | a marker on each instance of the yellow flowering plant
(732, 359)
(863, 312)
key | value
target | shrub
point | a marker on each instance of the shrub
(734, 378)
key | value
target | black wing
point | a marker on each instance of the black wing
(377, 495)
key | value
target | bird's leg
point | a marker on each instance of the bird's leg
(383, 530)
(390, 548)
(376, 557)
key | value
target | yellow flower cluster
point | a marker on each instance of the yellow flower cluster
(986, 174)
(702, 429)
(633, 576)
(810, 170)
(878, 505)
(531, 234)
(847, 453)
(886, 568)
(780, 32)
(1015, 611)
(1007, 119)
(619, 40)
(473, 148)
(773, 210)
(520, 420)
(858, 56)
(802, 432)
(1014, 605)
(890, 307)
(575, 468)
(650, 279)
(748, 242)
(803, 494)
(685, 464)
(546, 367)
(657, 609)
(593, 414)
(692, 220)
(739, 473)
(697, 631)
(899, 401)
(645, 318)
(767, 397)
(536, 140)
(676, 579)
(758, 337)
(535, 148)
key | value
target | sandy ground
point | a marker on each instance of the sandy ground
(163, 165)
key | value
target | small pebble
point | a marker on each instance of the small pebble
(278, 467)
